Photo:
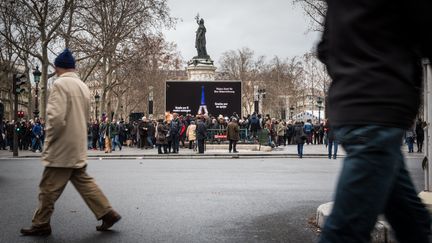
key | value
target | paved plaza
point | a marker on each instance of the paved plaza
(182, 200)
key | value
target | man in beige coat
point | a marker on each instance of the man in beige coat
(65, 150)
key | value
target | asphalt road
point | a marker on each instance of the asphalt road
(237, 200)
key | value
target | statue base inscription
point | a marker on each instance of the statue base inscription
(201, 69)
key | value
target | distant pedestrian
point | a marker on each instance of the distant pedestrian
(175, 129)
(233, 135)
(65, 152)
(373, 52)
(191, 135)
(299, 138)
(95, 134)
(409, 139)
(290, 133)
(281, 128)
(115, 131)
(332, 141)
(161, 137)
(201, 133)
(308, 129)
(420, 125)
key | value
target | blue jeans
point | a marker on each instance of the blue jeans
(101, 142)
(115, 141)
(37, 144)
(150, 141)
(373, 181)
(300, 149)
(175, 143)
(330, 147)
(410, 143)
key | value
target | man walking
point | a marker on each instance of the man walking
(373, 52)
(233, 134)
(65, 152)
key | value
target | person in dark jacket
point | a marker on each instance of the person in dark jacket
(290, 133)
(299, 138)
(373, 52)
(233, 135)
(95, 134)
(332, 142)
(420, 125)
(142, 132)
(114, 129)
(254, 124)
(201, 133)
(10, 129)
(175, 129)
(161, 137)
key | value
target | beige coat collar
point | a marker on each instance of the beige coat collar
(69, 75)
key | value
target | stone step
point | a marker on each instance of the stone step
(381, 234)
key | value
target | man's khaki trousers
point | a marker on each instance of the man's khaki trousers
(54, 181)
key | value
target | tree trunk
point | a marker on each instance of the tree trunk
(43, 91)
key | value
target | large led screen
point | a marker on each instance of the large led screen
(207, 97)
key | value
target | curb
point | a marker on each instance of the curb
(185, 156)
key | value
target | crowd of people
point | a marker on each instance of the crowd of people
(174, 131)
(30, 134)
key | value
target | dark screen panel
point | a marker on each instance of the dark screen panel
(220, 97)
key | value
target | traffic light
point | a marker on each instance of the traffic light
(19, 82)
(20, 114)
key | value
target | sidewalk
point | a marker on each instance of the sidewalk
(213, 151)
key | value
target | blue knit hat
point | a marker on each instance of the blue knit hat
(65, 60)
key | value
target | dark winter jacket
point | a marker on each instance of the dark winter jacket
(373, 51)
(201, 130)
(299, 134)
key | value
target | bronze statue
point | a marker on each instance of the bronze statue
(200, 40)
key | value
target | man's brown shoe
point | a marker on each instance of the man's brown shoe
(41, 230)
(108, 220)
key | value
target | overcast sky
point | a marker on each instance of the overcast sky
(271, 27)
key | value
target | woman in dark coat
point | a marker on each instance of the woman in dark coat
(161, 137)
(299, 138)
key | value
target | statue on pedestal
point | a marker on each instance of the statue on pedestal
(200, 40)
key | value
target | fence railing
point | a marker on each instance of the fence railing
(220, 136)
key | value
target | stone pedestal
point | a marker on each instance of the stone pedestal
(200, 69)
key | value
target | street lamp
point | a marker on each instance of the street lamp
(97, 99)
(319, 101)
(36, 75)
(259, 96)
(291, 112)
(150, 101)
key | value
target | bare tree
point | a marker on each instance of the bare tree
(109, 29)
(242, 65)
(314, 82)
(316, 11)
(43, 19)
(281, 80)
